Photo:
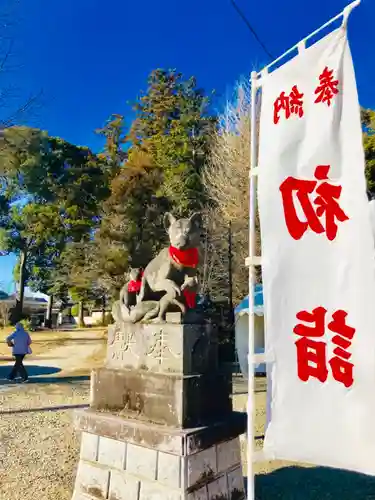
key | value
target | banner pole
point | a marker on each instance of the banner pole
(252, 216)
(345, 13)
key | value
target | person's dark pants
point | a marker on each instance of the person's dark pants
(18, 368)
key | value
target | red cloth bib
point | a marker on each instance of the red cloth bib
(190, 298)
(135, 285)
(186, 258)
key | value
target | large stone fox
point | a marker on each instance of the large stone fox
(170, 279)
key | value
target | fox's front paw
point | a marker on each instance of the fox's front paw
(158, 320)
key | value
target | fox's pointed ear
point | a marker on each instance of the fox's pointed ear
(196, 219)
(168, 220)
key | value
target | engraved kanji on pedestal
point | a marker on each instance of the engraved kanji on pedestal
(160, 349)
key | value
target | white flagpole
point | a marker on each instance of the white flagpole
(251, 261)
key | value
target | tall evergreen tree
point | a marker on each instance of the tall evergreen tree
(115, 140)
(173, 126)
(167, 146)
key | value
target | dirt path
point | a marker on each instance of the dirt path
(77, 353)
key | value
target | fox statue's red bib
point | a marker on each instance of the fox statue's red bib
(186, 258)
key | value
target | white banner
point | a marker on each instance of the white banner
(317, 261)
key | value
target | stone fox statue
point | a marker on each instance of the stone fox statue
(171, 277)
(128, 294)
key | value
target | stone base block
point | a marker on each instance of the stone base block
(132, 461)
(168, 347)
(169, 399)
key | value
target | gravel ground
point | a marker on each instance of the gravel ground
(39, 449)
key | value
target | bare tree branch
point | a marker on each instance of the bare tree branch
(21, 111)
(226, 178)
(6, 56)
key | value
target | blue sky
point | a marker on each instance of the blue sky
(92, 57)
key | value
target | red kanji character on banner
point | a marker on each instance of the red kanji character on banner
(326, 202)
(291, 104)
(342, 369)
(327, 88)
(311, 354)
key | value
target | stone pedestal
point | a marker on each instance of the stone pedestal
(160, 424)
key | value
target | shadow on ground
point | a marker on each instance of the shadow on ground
(39, 375)
(32, 370)
(45, 408)
(52, 380)
(314, 483)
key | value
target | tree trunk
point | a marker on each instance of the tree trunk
(21, 284)
(80, 315)
(103, 310)
(48, 322)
